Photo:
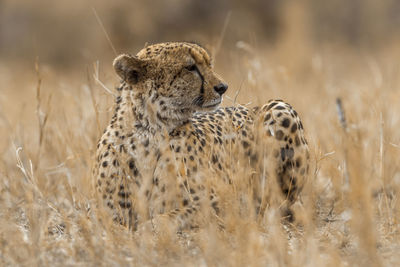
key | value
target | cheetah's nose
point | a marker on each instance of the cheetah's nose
(221, 88)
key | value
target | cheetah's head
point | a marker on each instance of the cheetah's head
(179, 76)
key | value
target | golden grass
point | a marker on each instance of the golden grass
(50, 123)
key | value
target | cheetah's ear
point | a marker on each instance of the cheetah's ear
(130, 68)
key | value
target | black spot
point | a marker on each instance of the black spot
(294, 128)
(271, 105)
(298, 162)
(283, 155)
(115, 163)
(191, 158)
(245, 144)
(289, 164)
(159, 116)
(155, 181)
(267, 117)
(123, 194)
(215, 206)
(286, 123)
(125, 205)
(102, 175)
(131, 164)
(279, 135)
(189, 148)
(214, 158)
(202, 142)
(199, 131)
(297, 141)
(105, 163)
(279, 108)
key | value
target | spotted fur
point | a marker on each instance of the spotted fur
(167, 137)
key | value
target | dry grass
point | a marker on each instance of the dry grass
(350, 211)
(50, 122)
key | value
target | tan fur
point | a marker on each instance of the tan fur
(166, 140)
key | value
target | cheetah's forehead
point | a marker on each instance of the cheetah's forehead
(198, 53)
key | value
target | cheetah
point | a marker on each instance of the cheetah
(168, 138)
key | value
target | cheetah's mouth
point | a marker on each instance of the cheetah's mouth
(212, 104)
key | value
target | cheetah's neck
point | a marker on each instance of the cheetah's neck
(144, 112)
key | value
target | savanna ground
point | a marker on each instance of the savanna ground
(51, 117)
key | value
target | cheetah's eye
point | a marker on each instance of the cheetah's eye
(191, 67)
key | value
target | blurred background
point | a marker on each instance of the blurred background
(66, 33)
